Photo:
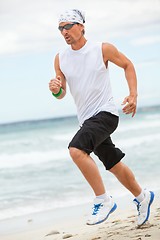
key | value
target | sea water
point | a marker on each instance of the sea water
(37, 173)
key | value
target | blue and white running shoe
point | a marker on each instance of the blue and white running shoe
(101, 211)
(143, 207)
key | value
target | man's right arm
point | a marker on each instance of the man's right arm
(59, 81)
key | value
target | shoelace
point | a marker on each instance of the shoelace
(96, 208)
(138, 207)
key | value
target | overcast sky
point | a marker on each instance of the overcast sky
(29, 40)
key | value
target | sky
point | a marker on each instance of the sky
(29, 41)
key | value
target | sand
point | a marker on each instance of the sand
(70, 224)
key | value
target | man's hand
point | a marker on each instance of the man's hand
(55, 85)
(130, 103)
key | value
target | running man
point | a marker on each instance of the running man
(84, 66)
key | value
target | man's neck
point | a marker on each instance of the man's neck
(79, 44)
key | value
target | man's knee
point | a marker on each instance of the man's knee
(75, 153)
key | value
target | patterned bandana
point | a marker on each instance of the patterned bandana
(73, 15)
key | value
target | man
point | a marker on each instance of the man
(84, 66)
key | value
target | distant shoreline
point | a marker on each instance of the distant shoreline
(60, 118)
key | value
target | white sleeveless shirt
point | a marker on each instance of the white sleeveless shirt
(88, 80)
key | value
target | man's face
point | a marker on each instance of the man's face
(71, 32)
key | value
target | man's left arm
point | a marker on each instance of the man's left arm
(110, 53)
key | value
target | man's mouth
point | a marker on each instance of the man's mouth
(67, 38)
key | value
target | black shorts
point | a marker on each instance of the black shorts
(94, 136)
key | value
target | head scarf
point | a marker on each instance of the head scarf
(73, 15)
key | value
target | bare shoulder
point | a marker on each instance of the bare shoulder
(112, 54)
(56, 60)
(108, 50)
(106, 45)
(57, 67)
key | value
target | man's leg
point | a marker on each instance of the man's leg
(126, 177)
(103, 207)
(89, 170)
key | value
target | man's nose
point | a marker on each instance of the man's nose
(64, 31)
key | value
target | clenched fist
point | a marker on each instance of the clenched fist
(55, 85)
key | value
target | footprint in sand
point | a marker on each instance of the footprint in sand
(138, 237)
(146, 225)
(117, 221)
(96, 238)
(67, 236)
(132, 216)
(147, 235)
(126, 226)
(54, 232)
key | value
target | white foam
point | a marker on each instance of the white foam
(138, 125)
(153, 116)
(64, 137)
(31, 158)
(135, 141)
(41, 206)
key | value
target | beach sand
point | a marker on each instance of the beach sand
(70, 224)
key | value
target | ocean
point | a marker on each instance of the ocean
(37, 173)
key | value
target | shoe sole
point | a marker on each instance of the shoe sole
(148, 212)
(111, 211)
